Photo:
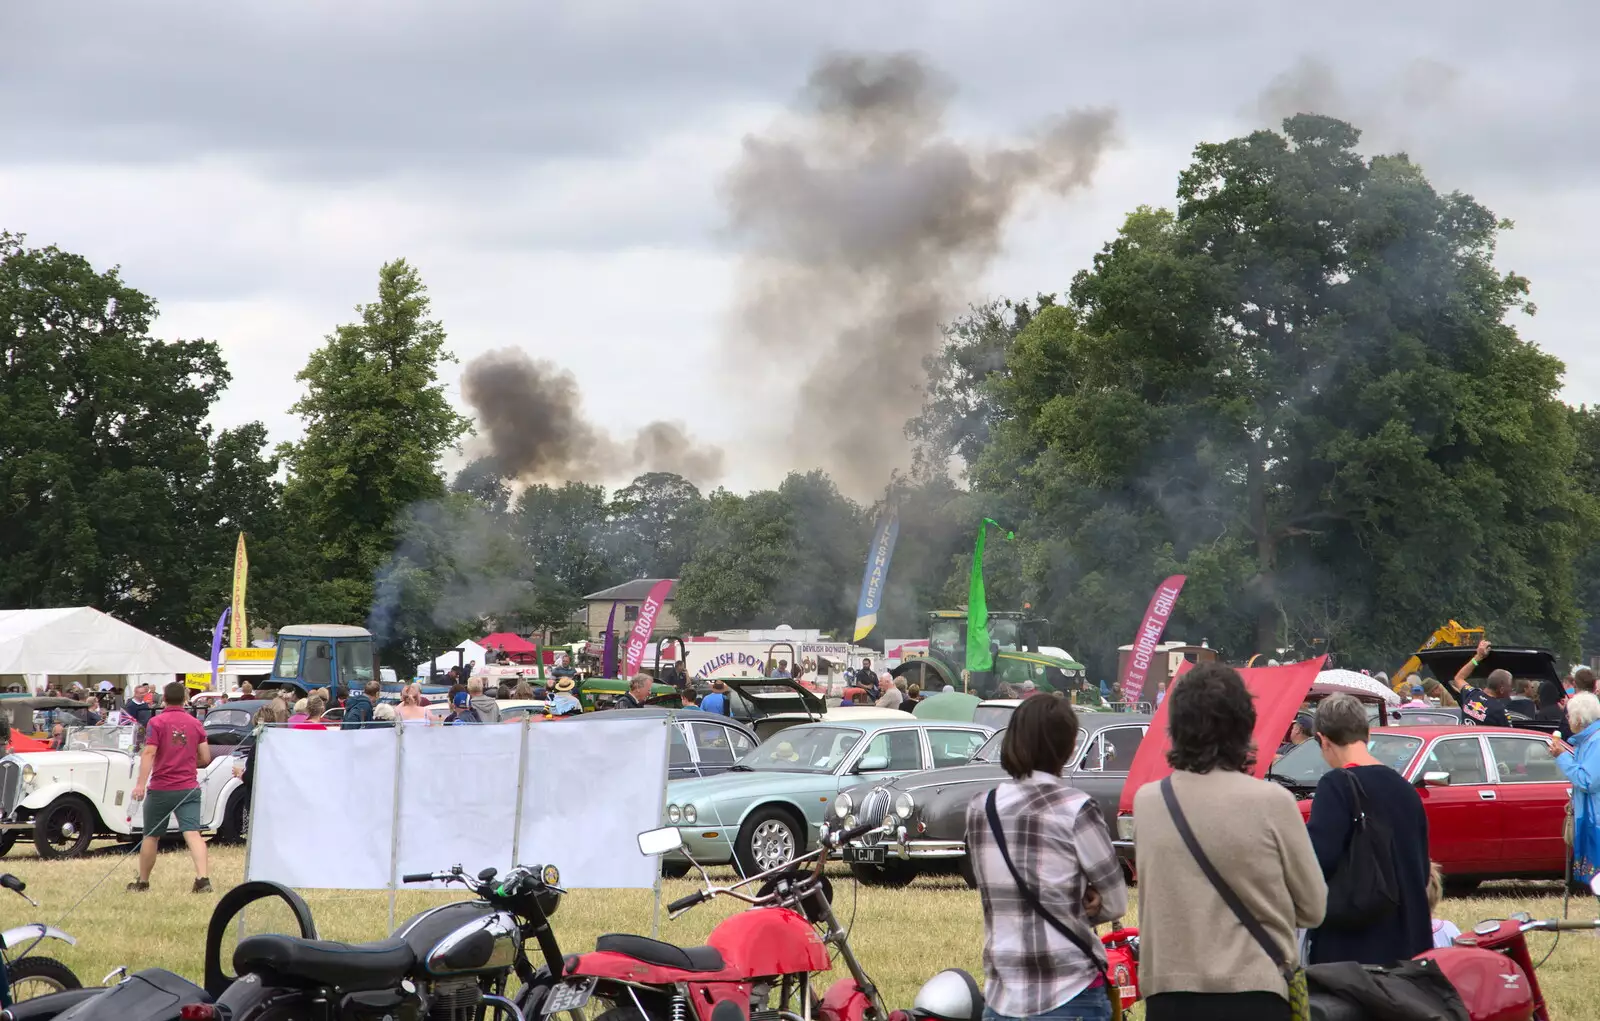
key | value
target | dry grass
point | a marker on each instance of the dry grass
(903, 936)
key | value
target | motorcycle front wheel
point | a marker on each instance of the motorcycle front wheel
(39, 976)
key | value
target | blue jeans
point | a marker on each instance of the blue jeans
(1090, 1005)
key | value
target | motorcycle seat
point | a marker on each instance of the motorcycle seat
(667, 955)
(351, 967)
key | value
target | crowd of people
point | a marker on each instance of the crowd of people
(1237, 893)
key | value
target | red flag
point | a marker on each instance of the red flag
(646, 624)
(1278, 691)
(1148, 637)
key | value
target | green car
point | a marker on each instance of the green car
(766, 810)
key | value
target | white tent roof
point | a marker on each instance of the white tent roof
(82, 640)
(472, 652)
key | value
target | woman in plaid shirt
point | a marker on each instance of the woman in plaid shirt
(1039, 919)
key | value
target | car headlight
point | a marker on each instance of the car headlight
(689, 814)
(1124, 827)
(904, 805)
(29, 775)
(843, 806)
(674, 814)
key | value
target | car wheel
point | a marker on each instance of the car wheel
(65, 828)
(8, 840)
(968, 876)
(769, 838)
(891, 874)
(236, 821)
(674, 869)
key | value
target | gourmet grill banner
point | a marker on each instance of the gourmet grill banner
(356, 810)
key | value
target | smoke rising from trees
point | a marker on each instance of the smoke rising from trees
(864, 225)
(529, 415)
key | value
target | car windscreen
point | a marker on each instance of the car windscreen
(802, 750)
(993, 715)
(1304, 765)
(990, 752)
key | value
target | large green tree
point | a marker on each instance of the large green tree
(1302, 389)
(653, 523)
(113, 490)
(377, 421)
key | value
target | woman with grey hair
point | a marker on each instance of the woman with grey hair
(1359, 785)
(1580, 761)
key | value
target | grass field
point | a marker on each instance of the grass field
(903, 936)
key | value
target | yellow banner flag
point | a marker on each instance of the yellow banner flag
(239, 635)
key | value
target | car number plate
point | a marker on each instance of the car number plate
(569, 994)
(864, 855)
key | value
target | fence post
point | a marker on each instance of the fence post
(394, 822)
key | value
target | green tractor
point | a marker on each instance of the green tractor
(1019, 657)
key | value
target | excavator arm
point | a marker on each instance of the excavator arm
(1452, 634)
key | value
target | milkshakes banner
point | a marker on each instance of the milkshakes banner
(1156, 616)
(877, 572)
(642, 628)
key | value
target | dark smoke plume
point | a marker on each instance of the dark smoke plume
(1387, 109)
(865, 226)
(529, 415)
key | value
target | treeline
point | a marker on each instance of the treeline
(1302, 386)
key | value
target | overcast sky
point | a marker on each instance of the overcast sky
(552, 168)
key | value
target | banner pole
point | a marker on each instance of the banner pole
(394, 822)
(666, 773)
(522, 772)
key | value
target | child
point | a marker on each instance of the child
(1444, 930)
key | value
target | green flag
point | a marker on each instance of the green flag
(978, 655)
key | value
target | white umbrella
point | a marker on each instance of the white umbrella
(1332, 682)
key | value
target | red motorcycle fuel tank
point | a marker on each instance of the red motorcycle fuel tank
(844, 1001)
(1491, 985)
(769, 941)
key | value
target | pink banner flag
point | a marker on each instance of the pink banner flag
(645, 625)
(1156, 616)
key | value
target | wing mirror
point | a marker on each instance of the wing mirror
(1439, 779)
(872, 763)
(660, 841)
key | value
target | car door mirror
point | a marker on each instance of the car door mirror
(872, 763)
(1438, 779)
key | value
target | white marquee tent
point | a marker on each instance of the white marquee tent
(471, 652)
(81, 643)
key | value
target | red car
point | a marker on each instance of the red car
(1495, 799)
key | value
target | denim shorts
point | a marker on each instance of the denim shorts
(1093, 1004)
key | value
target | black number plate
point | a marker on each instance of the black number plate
(864, 855)
(569, 994)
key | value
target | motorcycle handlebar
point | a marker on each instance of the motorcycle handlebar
(1568, 925)
(11, 882)
(685, 903)
(418, 877)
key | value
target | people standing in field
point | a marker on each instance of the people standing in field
(1198, 960)
(1580, 763)
(174, 752)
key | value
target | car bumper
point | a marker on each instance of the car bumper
(708, 845)
(916, 849)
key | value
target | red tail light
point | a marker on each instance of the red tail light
(197, 1012)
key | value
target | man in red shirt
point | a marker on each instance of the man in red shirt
(175, 750)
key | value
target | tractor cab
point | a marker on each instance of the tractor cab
(333, 656)
(1015, 636)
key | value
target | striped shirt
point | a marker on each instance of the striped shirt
(1058, 840)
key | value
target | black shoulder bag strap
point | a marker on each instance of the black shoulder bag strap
(1246, 919)
(1033, 898)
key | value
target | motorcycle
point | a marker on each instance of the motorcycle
(25, 975)
(756, 965)
(452, 962)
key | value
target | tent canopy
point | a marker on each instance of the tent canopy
(471, 652)
(80, 640)
(510, 642)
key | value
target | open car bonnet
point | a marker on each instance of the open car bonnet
(1535, 663)
(767, 696)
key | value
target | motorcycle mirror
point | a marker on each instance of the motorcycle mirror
(660, 841)
(486, 876)
(1594, 884)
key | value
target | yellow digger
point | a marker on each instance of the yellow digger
(1453, 633)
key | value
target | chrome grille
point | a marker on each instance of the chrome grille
(10, 786)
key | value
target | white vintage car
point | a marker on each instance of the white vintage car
(69, 797)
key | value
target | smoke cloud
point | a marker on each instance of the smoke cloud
(864, 226)
(529, 416)
(1386, 108)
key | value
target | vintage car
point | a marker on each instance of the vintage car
(701, 744)
(69, 797)
(1495, 799)
(937, 828)
(767, 808)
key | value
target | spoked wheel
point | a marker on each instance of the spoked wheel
(769, 838)
(39, 976)
(64, 829)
